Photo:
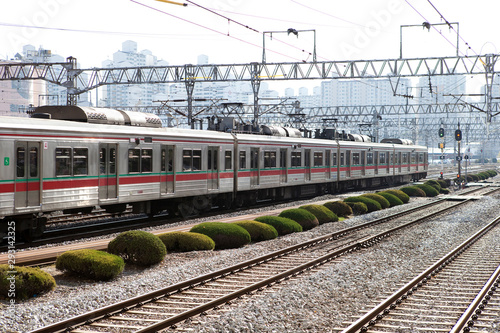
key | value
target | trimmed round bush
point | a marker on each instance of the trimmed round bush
(306, 219)
(323, 214)
(258, 231)
(138, 247)
(392, 199)
(445, 191)
(371, 204)
(92, 264)
(378, 198)
(434, 183)
(429, 190)
(24, 282)
(399, 194)
(182, 241)
(225, 235)
(282, 225)
(358, 208)
(339, 208)
(413, 191)
(443, 183)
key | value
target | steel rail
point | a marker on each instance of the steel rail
(384, 307)
(107, 311)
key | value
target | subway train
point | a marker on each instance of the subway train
(74, 159)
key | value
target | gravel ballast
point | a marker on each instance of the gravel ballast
(316, 302)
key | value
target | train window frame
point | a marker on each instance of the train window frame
(146, 160)
(356, 158)
(318, 158)
(191, 160)
(62, 169)
(134, 160)
(296, 159)
(369, 158)
(243, 159)
(342, 158)
(228, 160)
(334, 156)
(80, 161)
(270, 159)
(33, 161)
(20, 162)
(381, 158)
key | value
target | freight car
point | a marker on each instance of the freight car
(73, 159)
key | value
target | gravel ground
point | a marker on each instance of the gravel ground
(317, 302)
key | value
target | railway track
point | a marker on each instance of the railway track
(457, 293)
(177, 303)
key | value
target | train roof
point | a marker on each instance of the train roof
(51, 126)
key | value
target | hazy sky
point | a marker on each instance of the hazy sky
(93, 30)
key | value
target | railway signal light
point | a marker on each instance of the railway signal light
(441, 174)
(441, 145)
(458, 135)
(441, 132)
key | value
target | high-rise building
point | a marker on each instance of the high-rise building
(124, 95)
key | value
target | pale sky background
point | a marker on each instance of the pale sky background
(93, 30)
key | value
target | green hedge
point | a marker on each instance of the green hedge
(399, 194)
(358, 208)
(392, 199)
(428, 189)
(24, 282)
(282, 225)
(323, 214)
(339, 208)
(301, 216)
(371, 204)
(413, 191)
(182, 241)
(138, 247)
(434, 183)
(225, 235)
(258, 231)
(92, 264)
(378, 198)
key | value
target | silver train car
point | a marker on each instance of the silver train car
(73, 159)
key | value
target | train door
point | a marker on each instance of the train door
(363, 163)
(213, 168)
(107, 171)
(283, 166)
(399, 162)
(27, 185)
(254, 166)
(328, 164)
(167, 169)
(376, 162)
(307, 164)
(348, 163)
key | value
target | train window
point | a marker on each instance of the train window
(20, 162)
(369, 158)
(197, 159)
(421, 158)
(80, 161)
(381, 158)
(254, 158)
(112, 160)
(355, 159)
(191, 159)
(134, 160)
(413, 158)
(227, 160)
(405, 158)
(318, 158)
(33, 161)
(269, 159)
(296, 159)
(146, 160)
(102, 161)
(342, 159)
(187, 160)
(243, 159)
(63, 161)
(334, 158)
